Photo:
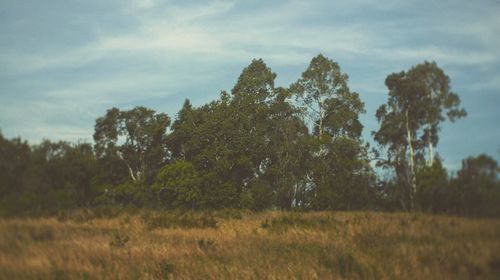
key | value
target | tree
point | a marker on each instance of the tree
(322, 89)
(288, 153)
(433, 188)
(410, 119)
(205, 137)
(80, 166)
(333, 109)
(477, 187)
(252, 95)
(15, 157)
(182, 130)
(435, 86)
(135, 136)
(255, 81)
(178, 185)
(226, 140)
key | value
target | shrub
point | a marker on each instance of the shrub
(229, 213)
(177, 185)
(262, 195)
(119, 239)
(166, 270)
(178, 220)
(206, 244)
(283, 223)
(41, 234)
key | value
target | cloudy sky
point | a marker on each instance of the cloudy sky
(64, 62)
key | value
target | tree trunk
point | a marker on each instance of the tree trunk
(131, 173)
(413, 179)
(431, 153)
(321, 116)
(429, 139)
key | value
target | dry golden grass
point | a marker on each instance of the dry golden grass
(270, 245)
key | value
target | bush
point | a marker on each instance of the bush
(296, 220)
(206, 244)
(262, 195)
(229, 213)
(185, 220)
(177, 185)
(119, 239)
(88, 214)
(165, 271)
(128, 193)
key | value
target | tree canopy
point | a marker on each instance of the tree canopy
(260, 147)
(410, 121)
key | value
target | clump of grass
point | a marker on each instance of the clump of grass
(86, 215)
(265, 224)
(347, 264)
(166, 270)
(119, 239)
(125, 221)
(106, 212)
(76, 215)
(186, 220)
(41, 233)
(206, 244)
(404, 222)
(296, 220)
(229, 213)
(495, 266)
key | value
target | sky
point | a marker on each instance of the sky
(63, 63)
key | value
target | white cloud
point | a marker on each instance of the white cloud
(139, 5)
(175, 45)
(208, 32)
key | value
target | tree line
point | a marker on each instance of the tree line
(262, 147)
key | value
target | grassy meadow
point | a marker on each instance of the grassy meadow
(140, 244)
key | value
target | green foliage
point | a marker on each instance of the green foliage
(327, 100)
(136, 136)
(229, 213)
(257, 197)
(187, 220)
(297, 220)
(418, 102)
(258, 147)
(256, 80)
(262, 196)
(127, 193)
(83, 215)
(178, 186)
(477, 187)
(219, 195)
(433, 190)
(45, 177)
(338, 169)
(15, 158)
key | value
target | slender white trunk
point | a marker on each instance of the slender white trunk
(413, 179)
(431, 153)
(131, 173)
(321, 116)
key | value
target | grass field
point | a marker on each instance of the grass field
(233, 245)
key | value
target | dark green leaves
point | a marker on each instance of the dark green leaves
(136, 136)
